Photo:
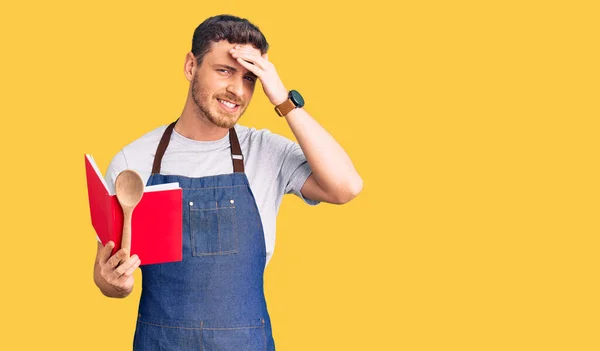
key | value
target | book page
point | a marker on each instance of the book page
(161, 187)
(151, 188)
(95, 167)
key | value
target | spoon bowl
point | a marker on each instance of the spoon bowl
(130, 189)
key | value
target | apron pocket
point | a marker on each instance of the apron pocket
(156, 335)
(252, 338)
(213, 227)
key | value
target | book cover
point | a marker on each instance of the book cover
(156, 224)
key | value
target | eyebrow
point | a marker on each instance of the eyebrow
(233, 69)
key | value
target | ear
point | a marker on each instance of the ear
(265, 56)
(190, 66)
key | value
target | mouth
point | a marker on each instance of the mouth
(228, 105)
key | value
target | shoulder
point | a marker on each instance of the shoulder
(138, 154)
(253, 138)
(146, 144)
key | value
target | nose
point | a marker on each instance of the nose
(236, 87)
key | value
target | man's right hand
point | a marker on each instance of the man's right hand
(114, 274)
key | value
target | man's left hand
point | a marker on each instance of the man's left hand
(250, 58)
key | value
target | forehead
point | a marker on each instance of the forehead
(219, 52)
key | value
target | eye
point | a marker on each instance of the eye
(222, 70)
(250, 78)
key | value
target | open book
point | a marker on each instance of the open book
(156, 223)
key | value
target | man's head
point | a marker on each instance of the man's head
(218, 81)
(225, 27)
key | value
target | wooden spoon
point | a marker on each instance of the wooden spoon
(129, 188)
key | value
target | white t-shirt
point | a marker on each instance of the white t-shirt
(273, 164)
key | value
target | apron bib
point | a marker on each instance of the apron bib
(214, 298)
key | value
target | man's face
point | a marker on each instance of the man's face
(221, 87)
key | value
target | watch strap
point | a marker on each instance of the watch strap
(284, 108)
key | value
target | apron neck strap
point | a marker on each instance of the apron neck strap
(236, 150)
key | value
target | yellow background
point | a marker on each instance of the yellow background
(474, 125)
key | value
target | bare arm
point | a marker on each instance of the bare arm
(334, 178)
(114, 275)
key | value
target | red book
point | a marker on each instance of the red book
(155, 222)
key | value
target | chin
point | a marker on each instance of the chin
(225, 122)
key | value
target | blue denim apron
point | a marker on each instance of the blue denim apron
(213, 299)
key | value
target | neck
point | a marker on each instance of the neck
(193, 124)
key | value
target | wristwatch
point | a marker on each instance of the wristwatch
(294, 100)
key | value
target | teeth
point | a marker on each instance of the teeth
(227, 103)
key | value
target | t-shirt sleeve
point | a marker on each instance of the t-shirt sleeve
(116, 166)
(295, 170)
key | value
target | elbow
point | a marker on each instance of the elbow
(355, 188)
(350, 191)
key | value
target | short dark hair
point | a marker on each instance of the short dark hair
(226, 27)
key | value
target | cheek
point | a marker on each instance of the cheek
(250, 90)
(208, 88)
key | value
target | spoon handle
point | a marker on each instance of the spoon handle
(126, 235)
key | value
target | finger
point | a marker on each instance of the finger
(248, 49)
(125, 282)
(249, 57)
(106, 251)
(120, 256)
(123, 267)
(250, 67)
(132, 269)
(128, 274)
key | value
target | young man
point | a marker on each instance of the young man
(233, 181)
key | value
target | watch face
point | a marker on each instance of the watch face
(296, 98)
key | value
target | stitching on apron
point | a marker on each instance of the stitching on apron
(237, 234)
(192, 236)
(201, 325)
(236, 328)
(264, 332)
(211, 209)
(218, 225)
(168, 326)
(215, 253)
(218, 187)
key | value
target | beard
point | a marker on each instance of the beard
(215, 116)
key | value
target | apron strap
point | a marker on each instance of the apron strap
(162, 147)
(236, 150)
